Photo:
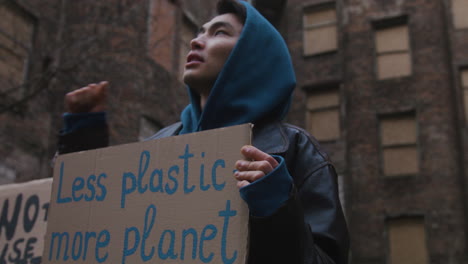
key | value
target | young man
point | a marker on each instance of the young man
(239, 71)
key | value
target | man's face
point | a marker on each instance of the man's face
(210, 50)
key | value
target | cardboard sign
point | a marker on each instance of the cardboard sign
(171, 200)
(23, 221)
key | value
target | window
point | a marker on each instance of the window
(148, 128)
(319, 30)
(16, 33)
(399, 145)
(393, 54)
(407, 241)
(464, 83)
(187, 33)
(459, 10)
(323, 115)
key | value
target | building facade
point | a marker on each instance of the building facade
(383, 86)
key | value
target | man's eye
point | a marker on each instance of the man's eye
(220, 32)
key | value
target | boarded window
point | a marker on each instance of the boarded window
(393, 53)
(16, 32)
(464, 78)
(323, 115)
(187, 33)
(407, 241)
(320, 30)
(459, 11)
(399, 145)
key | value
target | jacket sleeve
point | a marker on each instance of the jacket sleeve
(83, 139)
(265, 195)
(83, 132)
(324, 221)
(288, 236)
(310, 227)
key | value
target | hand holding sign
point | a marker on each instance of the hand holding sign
(249, 171)
(91, 98)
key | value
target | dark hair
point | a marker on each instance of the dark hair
(232, 7)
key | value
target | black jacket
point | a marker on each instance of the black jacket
(309, 228)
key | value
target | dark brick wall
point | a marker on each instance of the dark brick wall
(458, 39)
(112, 47)
(313, 72)
(438, 192)
(26, 125)
(81, 42)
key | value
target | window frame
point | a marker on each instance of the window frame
(388, 23)
(33, 21)
(411, 216)
(307, 9)
(453, 17)
(318, 89)
(382, 147)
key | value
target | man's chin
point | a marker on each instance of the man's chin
(188, 78)
(193, 78)
(197, 84)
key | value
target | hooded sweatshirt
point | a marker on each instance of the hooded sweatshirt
(255, 84)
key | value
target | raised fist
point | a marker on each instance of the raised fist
(91, 98)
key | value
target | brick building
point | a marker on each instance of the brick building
(383, 85)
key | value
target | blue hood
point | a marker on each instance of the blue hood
(255, 84)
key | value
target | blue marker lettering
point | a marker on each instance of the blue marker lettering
(102, 187)
(185, 233)
(145, 155)
(88, 236)
(170, 251)
(125, 190)
(91, 188)
(147, 230)
(226, 214)
(78, 185)
(60, 237)
(203, 238)
(102, 244)
(203, 187)
(218, 163)
(186, 157)
(172, 169)
(80, 248)
(159, 187)
(126, 251)
(60, 199)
